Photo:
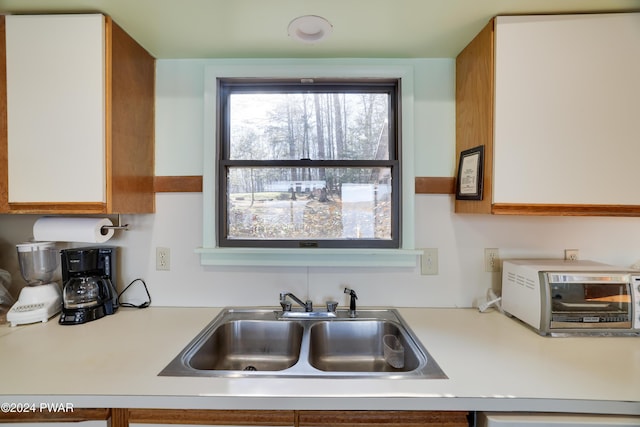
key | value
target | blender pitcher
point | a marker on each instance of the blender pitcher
(41, 298)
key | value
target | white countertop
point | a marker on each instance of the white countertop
(493, 363)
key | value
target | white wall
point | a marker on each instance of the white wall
(460, 239)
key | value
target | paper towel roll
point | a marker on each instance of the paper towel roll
(64, 229)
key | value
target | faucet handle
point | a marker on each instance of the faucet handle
(332, 306)
(351, 293)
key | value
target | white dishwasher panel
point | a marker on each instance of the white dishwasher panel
(497, 419)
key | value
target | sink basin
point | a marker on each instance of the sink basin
(359, 347)
(249, 345)
(263, 343)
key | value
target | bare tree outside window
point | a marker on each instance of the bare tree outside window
(309, 164)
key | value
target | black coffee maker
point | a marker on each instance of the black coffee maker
(89, 291)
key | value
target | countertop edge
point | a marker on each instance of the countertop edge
(440, 403)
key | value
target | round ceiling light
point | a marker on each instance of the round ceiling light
(309, 28)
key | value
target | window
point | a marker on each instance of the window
(308, 163)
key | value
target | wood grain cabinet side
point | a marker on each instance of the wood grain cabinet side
(190, 417)
(382, 418)
(552, 99)
(294, 418)
(76, 116)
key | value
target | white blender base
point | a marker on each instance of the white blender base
(36, 304)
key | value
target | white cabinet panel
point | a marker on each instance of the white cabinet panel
(56, 108)
(566, 109)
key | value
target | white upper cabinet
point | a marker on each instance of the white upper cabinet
(56, 108)
(563, 136)
(78, 136)
(567, 104)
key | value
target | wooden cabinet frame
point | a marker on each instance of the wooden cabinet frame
(474, 111)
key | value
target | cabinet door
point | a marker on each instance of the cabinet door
(52, 414)
(95, 423)
(208, 417)
(382, 418)
(566, 109)
(56, 108)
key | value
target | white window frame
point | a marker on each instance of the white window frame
(211, 254)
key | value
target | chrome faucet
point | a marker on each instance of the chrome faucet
(286, 305)
(352, 301)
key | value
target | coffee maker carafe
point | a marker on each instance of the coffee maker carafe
(89, 291)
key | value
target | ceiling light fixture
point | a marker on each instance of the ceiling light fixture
(309, 28)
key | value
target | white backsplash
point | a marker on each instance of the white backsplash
(460, 240)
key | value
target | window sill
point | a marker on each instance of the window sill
(312, 257)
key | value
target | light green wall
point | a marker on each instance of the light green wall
(435, 110)
(180, 114)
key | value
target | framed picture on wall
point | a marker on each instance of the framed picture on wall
(470, 168)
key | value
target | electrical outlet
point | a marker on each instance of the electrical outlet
(429, 262)
(491, 260)
(571, 254)
(163, 259)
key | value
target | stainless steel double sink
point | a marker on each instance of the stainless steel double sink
(242, 342)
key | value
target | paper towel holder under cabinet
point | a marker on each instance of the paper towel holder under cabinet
(105, 228)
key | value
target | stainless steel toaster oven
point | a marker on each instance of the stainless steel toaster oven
(558, 297)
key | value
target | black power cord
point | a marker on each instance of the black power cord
(144, 304)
